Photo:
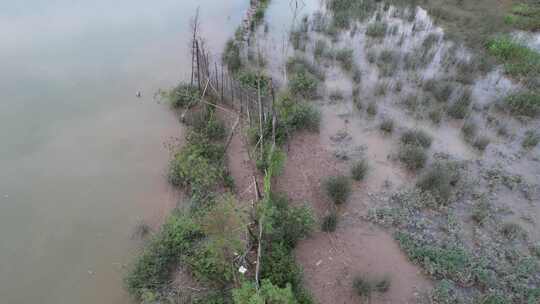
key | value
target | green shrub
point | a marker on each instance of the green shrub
(387, 125)
(183, 95)
(207, 124)
(278, 265)
(231, 56)
(289, 224)
(414, 157)
(359, 170)
(298, 115)
(460, 108)
(530, 140)
(377, 29)
(439, 180)
(329, 223)
(416, 138)
(338, 188)
(197, 165)
(346, 58)
(524, 104)
(303, 84)
(151, 269)
(252, 79)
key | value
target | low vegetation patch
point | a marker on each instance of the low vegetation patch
(523, 104)
(440, 179)
(329, 222)
(531, 139)
(346, 58)
(416, 137)
(364, 286)
(460, 108)
(524, 16)
(377, 29)
(518, 60)
(338, 188)
(303, 84)
(300, 64)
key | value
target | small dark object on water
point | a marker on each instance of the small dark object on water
(138, 94)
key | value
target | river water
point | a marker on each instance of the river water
(82, 160)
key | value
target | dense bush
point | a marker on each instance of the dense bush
(278, 265)
(151, 269)
(303, 84)
(439, 180)
(183, 95)
(252, 80)
(338, 188)
(414, 157)
(207, 124)
(416, 138)
(197, 165)
(289, 224)
(268, 293)
(359, 169)
(298, 115)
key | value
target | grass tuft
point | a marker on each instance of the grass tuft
(338, 188)
(416, 137)
(359, 170)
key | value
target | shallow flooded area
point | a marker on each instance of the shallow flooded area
(82, 159)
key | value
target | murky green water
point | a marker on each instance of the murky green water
(81, 158)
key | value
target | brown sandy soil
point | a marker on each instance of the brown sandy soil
(331, 261)
(307, 162)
